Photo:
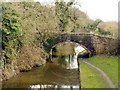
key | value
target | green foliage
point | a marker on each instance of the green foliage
(102, 32)
(41, 37)
(64, 15)
(93, 27)
(11, 34)
(38, 23)
(75, 27)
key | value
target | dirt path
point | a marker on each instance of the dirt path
(103, 74)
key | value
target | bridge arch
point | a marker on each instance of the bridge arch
(53, 49)
(94, 43)
(83, 40)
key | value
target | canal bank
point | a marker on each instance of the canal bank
(28, 57)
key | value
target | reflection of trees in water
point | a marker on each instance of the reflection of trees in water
(65, 49)
(61, 61)
(68, 62)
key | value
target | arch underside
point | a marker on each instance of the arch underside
(85, 42)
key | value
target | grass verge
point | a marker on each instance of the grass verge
(91, 78)
(109, 64)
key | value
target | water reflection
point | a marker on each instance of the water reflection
(63, 73)
(67, 58)
(49, 74)
(69, 62)
(55, 87)
(72, 62)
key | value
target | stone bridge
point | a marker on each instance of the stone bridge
(94, 43)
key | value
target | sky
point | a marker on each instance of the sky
(106, 10)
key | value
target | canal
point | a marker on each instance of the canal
(62, 72)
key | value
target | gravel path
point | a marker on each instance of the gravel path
(103, 74)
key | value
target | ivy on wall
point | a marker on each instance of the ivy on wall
(11, 34)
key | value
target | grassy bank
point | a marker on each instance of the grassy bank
(91, 78)
(109, 64)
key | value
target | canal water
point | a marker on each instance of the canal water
(62, 73)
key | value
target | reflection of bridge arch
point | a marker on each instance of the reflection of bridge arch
(94, 43)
